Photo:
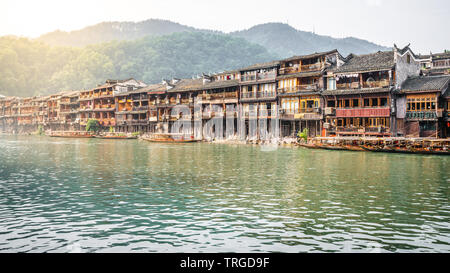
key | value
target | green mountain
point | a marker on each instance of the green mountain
(281, 39)
(29, 67)
(111, 31)
(286, 41)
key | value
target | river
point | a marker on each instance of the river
(94, 195)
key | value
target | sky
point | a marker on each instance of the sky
(422, 23)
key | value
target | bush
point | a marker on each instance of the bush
(111, 129)
(136, 133)
(40, 130)
(92, 125)
(303, 135)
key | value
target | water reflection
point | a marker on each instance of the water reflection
(63, 195)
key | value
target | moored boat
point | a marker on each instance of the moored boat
(116, 137)
(71, 134)
(169, 138)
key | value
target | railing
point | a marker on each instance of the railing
(370, 84)
(258, 77)
(248, 78)
(310, 110)
(289, 70)
(312, 67)
(140, 108)
(374, 84)
(299, 88)
(384, 111)
(261, 94)
(302, 68)
(353, 85)
(266, 76)
(423, 115)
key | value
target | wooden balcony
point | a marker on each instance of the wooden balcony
(357, 85)
(424, 115)
(353, 85)
(259, 95)
(302, 68)
(299, 88)
(377, 84)
(363, 112)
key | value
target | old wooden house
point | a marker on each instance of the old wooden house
(99, 103)
(359, 100)
(69, 111)
(258, 100)
(300, 81)
(421, 107)
(435, 64)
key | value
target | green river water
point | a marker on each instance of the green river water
(93, 195)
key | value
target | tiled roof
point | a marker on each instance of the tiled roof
(221, 84)
(431, 83)
(152, 88)
(260, 66)
(187, 85)
(354, 91)
(438, 56)
(382, 60)
(309, 56)
(226, 72)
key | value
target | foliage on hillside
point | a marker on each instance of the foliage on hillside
(278, 38)
(31, 68)
(287, 41)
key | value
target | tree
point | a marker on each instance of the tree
(92, 125)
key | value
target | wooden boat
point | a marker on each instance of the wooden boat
(333, 147)
(309, 146)
(77, 134)
(353, 148)
(116, 137)
(169, 138)
(405, 150)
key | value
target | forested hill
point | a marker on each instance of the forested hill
(110, 31)
(281, 39)
(287, 41)
(29, 67)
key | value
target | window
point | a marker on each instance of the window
(408, 59)
(355, 103)
(366, 103)
(374, 102)
(331, 103)
(331, 84)
(422, 103)
(347, 103)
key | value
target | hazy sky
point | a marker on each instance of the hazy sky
(424, 24)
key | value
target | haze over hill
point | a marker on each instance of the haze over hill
(278, 38)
